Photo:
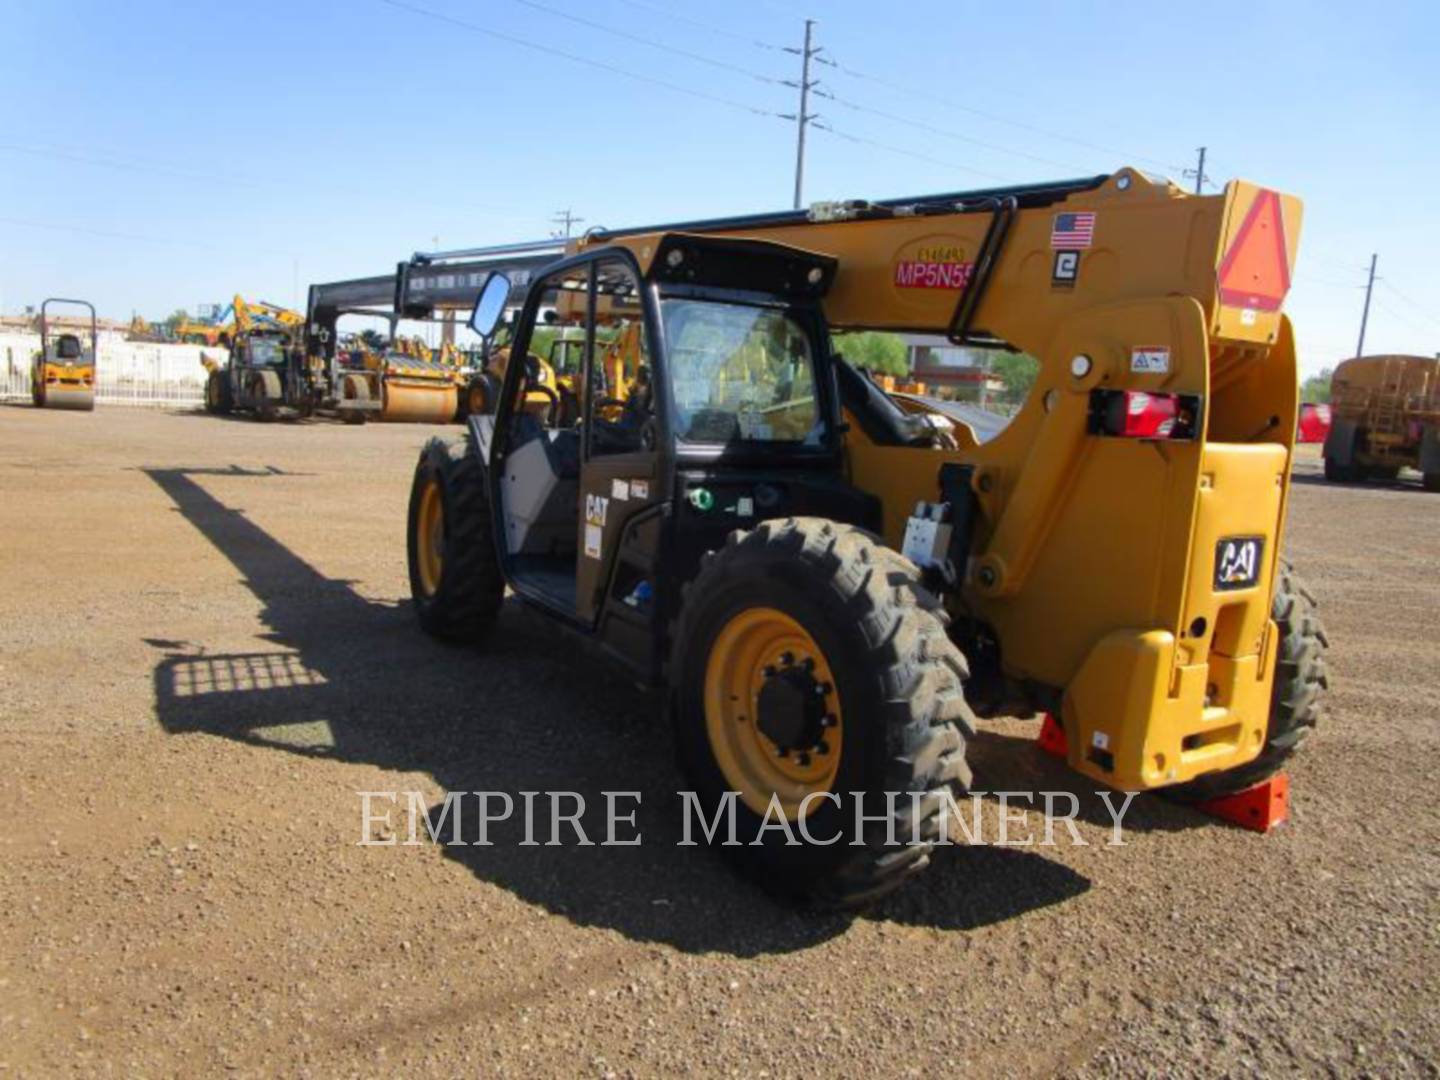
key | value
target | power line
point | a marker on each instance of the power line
(929, 96)
(1404, 317)
(404, 5)
(232, 179)
(703, 25)
(848, 137)
(921, 125)
(1311, 280)
(524, 43)
(1421, 308)
(136, 237)
(649, 42)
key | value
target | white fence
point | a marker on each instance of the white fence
(127, 373)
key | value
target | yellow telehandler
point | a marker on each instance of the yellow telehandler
(832, 588)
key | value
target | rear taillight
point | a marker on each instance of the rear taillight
(1138, 414)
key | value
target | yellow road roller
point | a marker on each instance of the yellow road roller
(62, 372)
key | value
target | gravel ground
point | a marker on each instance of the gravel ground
(206, 652)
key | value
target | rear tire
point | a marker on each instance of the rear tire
(455, 579)
(897, 694)
(1301, 680)
(1340, 474)
(1383, 473)
(1431, 481)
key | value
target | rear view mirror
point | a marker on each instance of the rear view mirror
(490, 305)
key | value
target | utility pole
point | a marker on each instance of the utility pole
(1365, 315)
(1199, 172)
(804, 117)
(566, 220)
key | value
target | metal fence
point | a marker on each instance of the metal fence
(156, 376)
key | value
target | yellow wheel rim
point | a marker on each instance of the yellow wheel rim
(430, 538)
(752, 649)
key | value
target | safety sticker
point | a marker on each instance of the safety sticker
(745, 506)
(620, 490)
(1150, 360)
(592, 541)
(640, 489)
(596, 507)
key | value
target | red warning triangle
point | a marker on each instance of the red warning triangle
(1255, 272)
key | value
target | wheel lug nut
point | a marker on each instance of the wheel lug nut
(822, 747)
(803, 758)
(809, 664)
(787, 659)
(827, 721)
(769, 671)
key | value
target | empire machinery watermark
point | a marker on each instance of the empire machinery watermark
(822, 819)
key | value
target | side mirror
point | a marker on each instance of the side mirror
(490, 305)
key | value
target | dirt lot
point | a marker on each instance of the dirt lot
(206, 652)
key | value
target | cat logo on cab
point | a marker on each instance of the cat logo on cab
(1237, 562)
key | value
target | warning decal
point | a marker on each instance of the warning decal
(1255, 272)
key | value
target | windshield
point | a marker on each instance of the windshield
(740, 373)
(266, 351)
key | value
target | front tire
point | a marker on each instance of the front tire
(1301, 680)
(455, 580)
(217, 394)
(865, 697)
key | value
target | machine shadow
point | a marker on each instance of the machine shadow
(353, 679)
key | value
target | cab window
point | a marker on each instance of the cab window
(740, 373)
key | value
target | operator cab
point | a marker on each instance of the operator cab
(67, 347)
(704, 402)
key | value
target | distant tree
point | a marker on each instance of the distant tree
(1017, 371)
(176, 317)
(879, 352)
(1316, 389)
(372, 339)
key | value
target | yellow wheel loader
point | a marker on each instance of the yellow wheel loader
(62, 372)
(833, 588)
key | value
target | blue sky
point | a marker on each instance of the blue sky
(155, 156)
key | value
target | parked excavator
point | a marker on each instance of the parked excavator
(62, 371)
(833, 590)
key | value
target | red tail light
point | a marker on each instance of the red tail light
(1138, 414)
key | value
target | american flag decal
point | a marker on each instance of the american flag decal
(1073, 231)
